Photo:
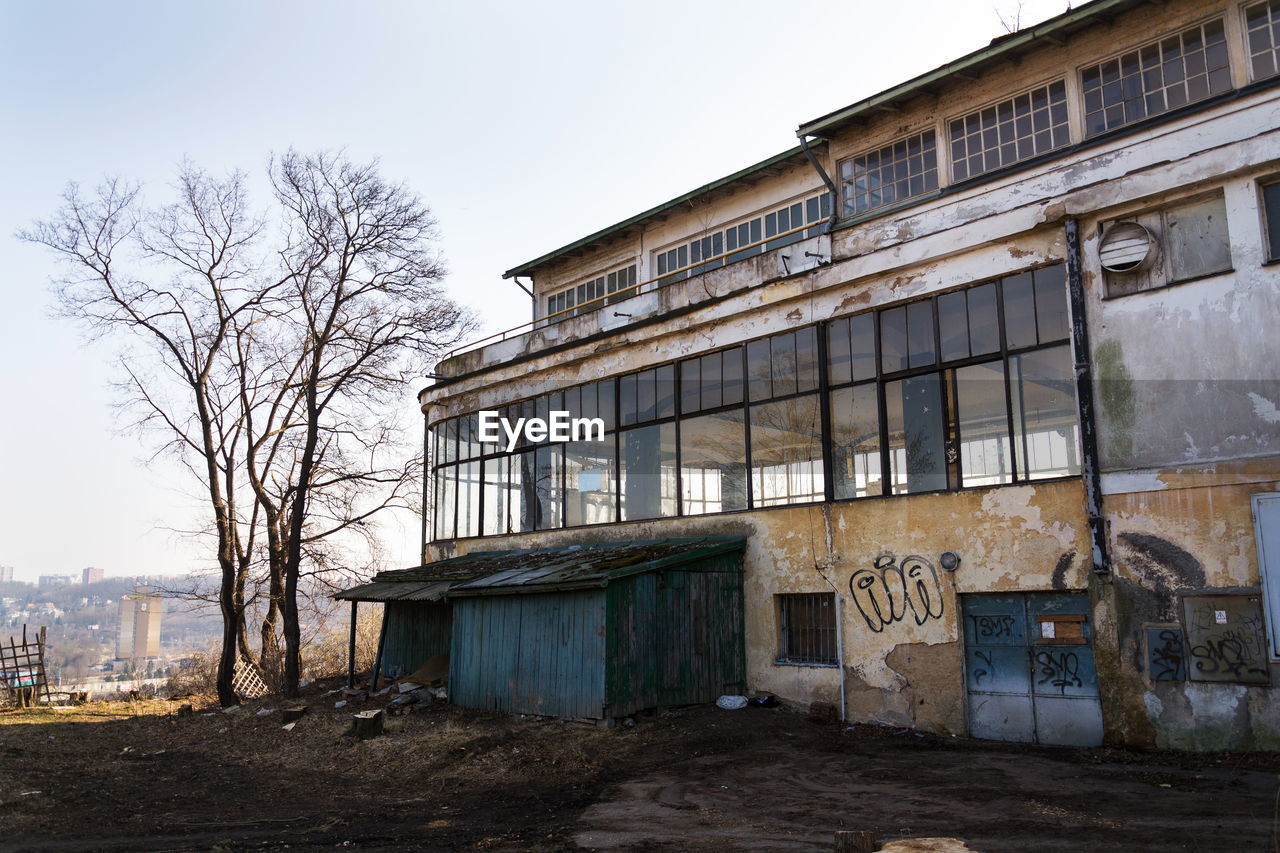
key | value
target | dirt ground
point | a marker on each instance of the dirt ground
(136, 777)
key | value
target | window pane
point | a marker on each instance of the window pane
(1019, 311)
(648, 472)
(548, 487)
(524, 506)
(893, 339)
(807, 628)
(759, 370)
(1046, 432)
(1271, 204)
(953, 326)
(855, 442)
(665, 390)
(785, 367)
(986, 453)
(839, 356)
(710, 382)
(920, 333)
(916, 433)
(691, 385)
(731, 373)
(713, 463)
(984, 325)
(646, 395)
(627, 399)
(786, 452)
(1198, 240)
(1051, 303)
(498, 489)
(807, 359)
(862, 346)
(589, 481)
(446, 501)
(469, 499)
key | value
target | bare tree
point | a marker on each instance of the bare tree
(269, 365)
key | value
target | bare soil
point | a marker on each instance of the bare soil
(135, 777)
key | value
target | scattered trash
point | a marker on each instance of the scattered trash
(265, 712)
(731, 703)
(384, 691)
(222, 731)
(409, 686)
(231, 709)
(341, 703)
(441, 693)
(288, 727)
(769, 701)
(292, 715)
(209, 714)
(306, 682)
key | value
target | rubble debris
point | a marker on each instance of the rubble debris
(265, 712)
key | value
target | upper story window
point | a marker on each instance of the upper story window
(1017, 129)
(596, 288)
(898, 171)
(1271, 218)
(1262, 21)
(1156, 78)
(783, 226)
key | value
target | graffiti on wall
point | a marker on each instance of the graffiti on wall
(888, 591)
(1226, 639)
(1057, 669)
(1166, 655)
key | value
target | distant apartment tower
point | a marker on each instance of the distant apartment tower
(55, 581)
(140, 614)
(6, 574)
(91, 574)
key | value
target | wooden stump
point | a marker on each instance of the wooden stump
(366, 724)
(856, 841)
(26, 697)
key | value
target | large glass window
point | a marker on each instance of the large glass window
(1046, 430)
(855, 442)
(713, 462)
(969, 388)
(915, 428)
(1156, 78)
(786, 452)
(648, 472)
(1271, 219)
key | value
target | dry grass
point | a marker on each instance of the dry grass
(93, 712)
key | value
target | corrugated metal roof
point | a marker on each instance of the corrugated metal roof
(537, 570)
(396, 591)
(588, 565)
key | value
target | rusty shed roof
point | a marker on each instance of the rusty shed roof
(538, 570)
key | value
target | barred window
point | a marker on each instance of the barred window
(1156, 78)
(900, 170)
(1017, 129)
(1262, 20)
(807, 628)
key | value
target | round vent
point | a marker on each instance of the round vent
(1126, 247)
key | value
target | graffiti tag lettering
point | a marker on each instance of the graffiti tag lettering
(1230, 653)
(993, 627)
(885, 593)
(1060, 669)
(1167, 655)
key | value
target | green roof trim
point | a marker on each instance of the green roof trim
(529, 267)
(999, 47)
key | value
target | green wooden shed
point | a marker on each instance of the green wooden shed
(601, 631)
(592, 631)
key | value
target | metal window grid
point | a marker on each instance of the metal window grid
(807, 628)
(1015, 129)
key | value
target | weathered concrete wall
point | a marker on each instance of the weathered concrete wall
(1189, 530)
(902, 672)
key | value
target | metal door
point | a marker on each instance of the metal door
(1266, 526)
(1029, 669)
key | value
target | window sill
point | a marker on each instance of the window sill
(1274, 262)
(797, 663)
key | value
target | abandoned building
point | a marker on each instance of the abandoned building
(984, 376)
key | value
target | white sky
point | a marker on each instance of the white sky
(524, 125)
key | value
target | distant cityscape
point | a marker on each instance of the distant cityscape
(107, 633)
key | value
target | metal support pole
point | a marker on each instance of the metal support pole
(1084, 399)
(351, 648)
